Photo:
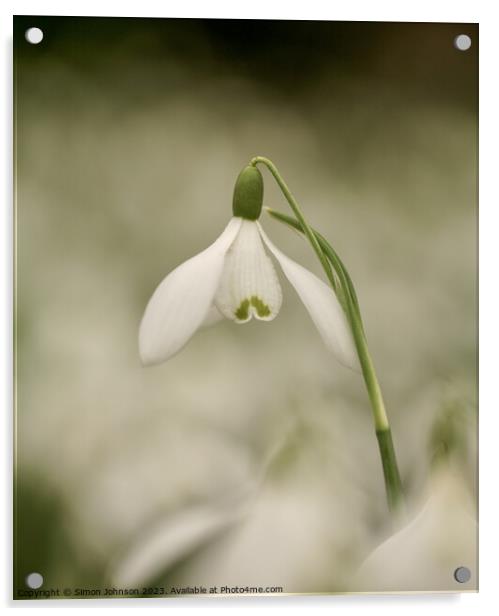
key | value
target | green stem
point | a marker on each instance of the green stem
(304, 227)
(393, 484)
(332, 265)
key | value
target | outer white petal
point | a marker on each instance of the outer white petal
(249, 286)
(181, 302)
(322, 305)
(423, 555)
(213, 316)
(167, 543)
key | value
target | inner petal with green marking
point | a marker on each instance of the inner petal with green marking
(249, 286)
(242, 313)
(262, 310)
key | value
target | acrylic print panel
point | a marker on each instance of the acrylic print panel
(211, 398)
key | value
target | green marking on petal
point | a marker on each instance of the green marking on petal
(242, 312)
(262, 309)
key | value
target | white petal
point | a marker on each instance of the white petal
(213, 316)
(249, 285)
(322, 305)
(165, 544)
(181, 302)
(423, 555)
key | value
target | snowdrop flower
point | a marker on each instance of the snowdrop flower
(424, 555)
(236, 279)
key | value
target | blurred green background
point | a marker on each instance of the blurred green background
(250, 457)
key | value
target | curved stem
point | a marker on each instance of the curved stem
(296, 209)
(355, 319)
(348, 298)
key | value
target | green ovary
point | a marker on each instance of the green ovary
(262, 310)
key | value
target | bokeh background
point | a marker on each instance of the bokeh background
(250, 457)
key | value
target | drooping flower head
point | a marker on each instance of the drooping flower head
(235, 278)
